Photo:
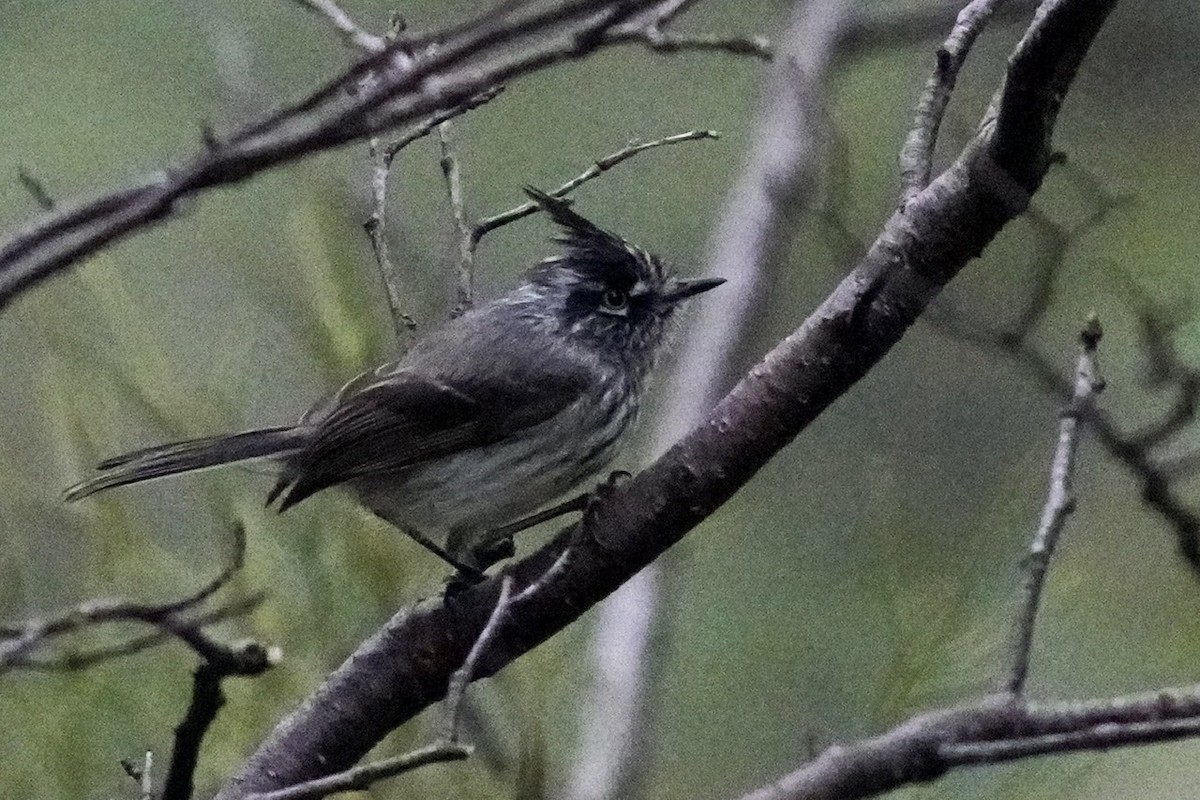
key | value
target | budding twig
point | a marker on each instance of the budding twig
(1060, 502)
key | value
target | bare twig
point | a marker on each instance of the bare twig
(598, 168)
(994, 730)
(382, 156)
(1136, 451)
(351, 33)
(883, 26)
(75, 661)
(246, 658)
(457, 687)
(1060, 502)
(447, 746)
(469, 58)
(142, 774)
(36, 189)
(916, 156)
(466, 249)
(652, 31)
(360, 778)
(19, 643)
(402, 320)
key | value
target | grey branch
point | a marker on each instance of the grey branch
(1060, 502)
(360, 778)
(452, 172)
(456, 689)
(406, 665)
(400, 85)
(1137, 450)
(382, 156)
(20, 645)
(992, 731)
(598, 168)
(916, 156)
(446, 748)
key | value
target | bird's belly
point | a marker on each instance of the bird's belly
(454, 499)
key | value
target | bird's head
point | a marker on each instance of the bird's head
(603, 292)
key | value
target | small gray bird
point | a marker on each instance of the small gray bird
(483, 421)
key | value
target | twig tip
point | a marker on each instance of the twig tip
(1092, 332)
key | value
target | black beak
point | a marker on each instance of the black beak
(686, 289)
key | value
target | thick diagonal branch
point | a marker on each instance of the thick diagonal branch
(406, 665)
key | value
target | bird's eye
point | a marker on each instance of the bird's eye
(615, 301)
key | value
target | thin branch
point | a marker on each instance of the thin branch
(430, 125)
(1060, 502)
(671, 42)
(351, 33)
(1100, 737)
(360, 778)
(598, 168)
(81, 660)
(18, 643)
(36, 189)
(142, 774)
(651, 30)
(466, 249)
(402, 320)
(456, 690)
(382, 156)
(246, 659)
(1135, 451)
(925, 747)
(469, 59)
(916, 156)
(885, 26)
(447, 746)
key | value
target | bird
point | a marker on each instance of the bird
(498, 412)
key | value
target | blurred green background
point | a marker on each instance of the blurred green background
(866, 574)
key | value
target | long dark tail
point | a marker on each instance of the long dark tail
(170, 459)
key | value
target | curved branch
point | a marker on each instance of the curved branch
(401, 84)
(406, 666)
(927, 746)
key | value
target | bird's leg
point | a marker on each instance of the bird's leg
(505, 532)
(467, 573)
(497, 543)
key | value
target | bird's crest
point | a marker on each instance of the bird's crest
(592, 253)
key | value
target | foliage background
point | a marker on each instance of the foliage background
(866, 574)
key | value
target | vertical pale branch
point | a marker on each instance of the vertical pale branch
(753, 235)
(916, 156)
(463, 229)
(375, 226)
(1060, 502)
(382, 156)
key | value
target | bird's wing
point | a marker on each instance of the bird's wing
(388, 420)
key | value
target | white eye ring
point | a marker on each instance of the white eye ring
(615, 302)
